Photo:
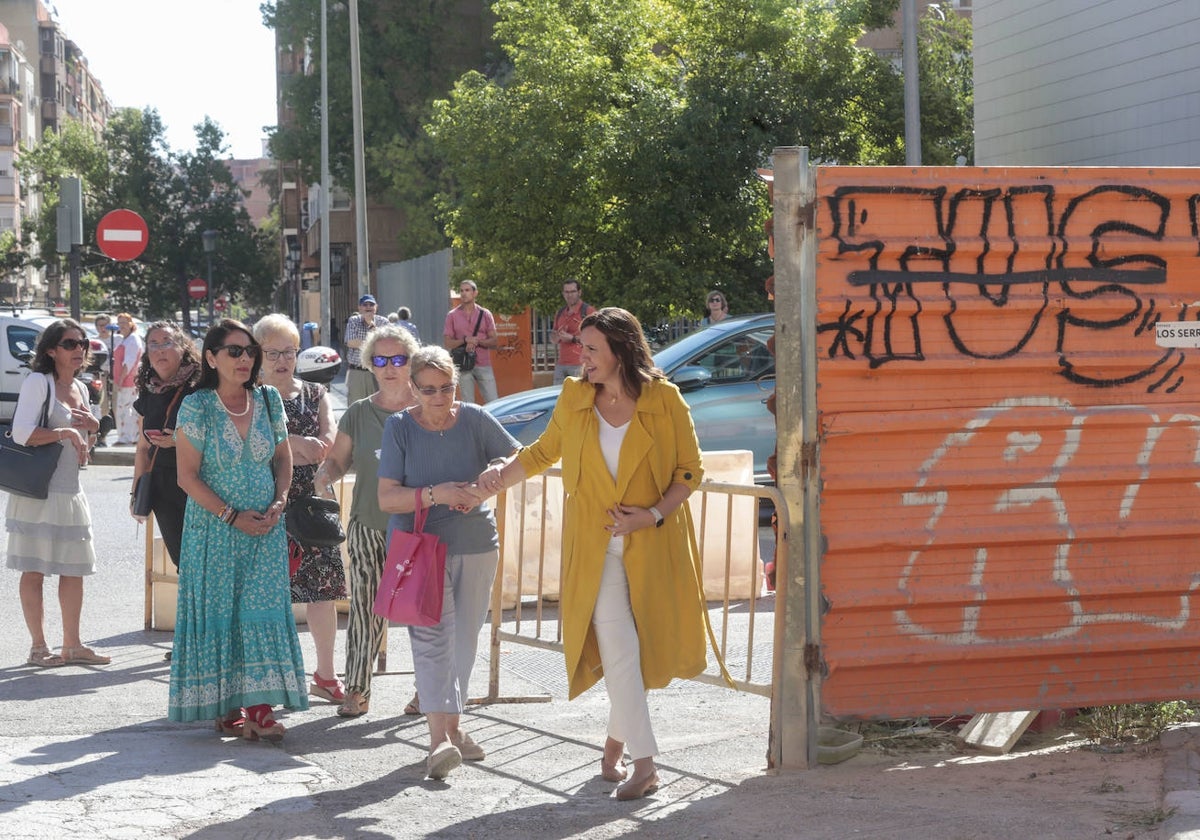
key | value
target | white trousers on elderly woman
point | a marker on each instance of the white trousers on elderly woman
(444, 654)
(620, 653)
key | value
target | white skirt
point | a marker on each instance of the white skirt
(53, 537)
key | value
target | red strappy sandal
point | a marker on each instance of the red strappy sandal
(261, 725)
(331, 690)
(232, 726)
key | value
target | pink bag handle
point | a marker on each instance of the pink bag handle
(420, 513)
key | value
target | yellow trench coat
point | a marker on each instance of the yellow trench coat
(662, 564)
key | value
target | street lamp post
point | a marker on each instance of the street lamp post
(209, 238)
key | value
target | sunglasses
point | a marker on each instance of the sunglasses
(236, 351)
(276, 355)
(160, 345)
(431, 391)
(399, 360)
(716, 300)
(73, 344)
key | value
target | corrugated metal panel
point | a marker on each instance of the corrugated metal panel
(1010, 464)
(1086, 83)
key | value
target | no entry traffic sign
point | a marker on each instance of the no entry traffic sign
(197, 288)
(122, 235)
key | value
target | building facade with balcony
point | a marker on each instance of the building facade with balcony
(44, 81)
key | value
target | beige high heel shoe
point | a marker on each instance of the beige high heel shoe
(637, 788)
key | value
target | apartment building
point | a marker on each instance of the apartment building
(44, 81)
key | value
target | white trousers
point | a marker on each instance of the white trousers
(127, 418)
(620, 653)
(444, 654)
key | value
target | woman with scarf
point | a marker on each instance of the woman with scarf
(168, 373)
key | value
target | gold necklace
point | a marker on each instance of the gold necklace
(241, 413)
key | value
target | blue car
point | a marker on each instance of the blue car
(725, 373)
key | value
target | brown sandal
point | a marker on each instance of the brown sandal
(414, 706)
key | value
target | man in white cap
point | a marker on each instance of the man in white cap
(360, 384)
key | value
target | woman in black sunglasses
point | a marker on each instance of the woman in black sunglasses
(54, 536)
(236, 650)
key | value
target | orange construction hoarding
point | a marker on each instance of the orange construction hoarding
(1010, 461)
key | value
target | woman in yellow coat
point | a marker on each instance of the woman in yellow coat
(633, 607)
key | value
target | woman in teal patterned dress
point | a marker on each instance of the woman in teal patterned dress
(236, 650)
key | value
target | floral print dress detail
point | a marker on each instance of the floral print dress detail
(235, 638)
(317, 572)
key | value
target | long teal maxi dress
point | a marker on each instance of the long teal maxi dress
(235, 637)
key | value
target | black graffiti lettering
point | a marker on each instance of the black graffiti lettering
(843, 330)
(1096, 254)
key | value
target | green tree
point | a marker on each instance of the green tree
(620, 147)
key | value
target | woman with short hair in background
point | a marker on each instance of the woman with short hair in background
(318, 577)
(717, 308)
(53, 536)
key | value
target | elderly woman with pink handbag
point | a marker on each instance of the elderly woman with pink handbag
(433, 452)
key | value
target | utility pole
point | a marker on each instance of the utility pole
(326, 298)
(912, 85)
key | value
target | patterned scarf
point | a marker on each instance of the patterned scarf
(158, 386)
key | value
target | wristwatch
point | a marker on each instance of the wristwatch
(658, 517)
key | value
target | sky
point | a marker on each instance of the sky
(184, 58)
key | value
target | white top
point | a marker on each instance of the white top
(611, 438)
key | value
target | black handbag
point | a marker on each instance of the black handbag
(463, 358)
(140, 506)
(27, 470)
(315, 522)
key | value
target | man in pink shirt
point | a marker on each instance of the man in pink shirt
(473, 327)
(566, 332)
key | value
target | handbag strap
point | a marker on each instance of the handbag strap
(478, 321)
(166, 418)
(44, 422)
(420, 513)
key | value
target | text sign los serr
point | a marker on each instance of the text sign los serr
(1177, 333)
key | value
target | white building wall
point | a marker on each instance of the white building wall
(1087, 82)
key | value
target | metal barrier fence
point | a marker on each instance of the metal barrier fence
(735, 620)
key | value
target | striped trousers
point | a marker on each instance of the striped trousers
(365, 630)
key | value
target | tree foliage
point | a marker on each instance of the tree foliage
(620, 143)
(178, 194)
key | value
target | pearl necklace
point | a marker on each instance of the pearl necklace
(241, 413)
